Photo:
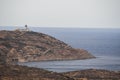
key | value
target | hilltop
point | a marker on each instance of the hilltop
(25, 46)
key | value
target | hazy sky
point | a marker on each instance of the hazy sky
(60, 13)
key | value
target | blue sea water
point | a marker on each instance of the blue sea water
(102, 62)
(103, 43)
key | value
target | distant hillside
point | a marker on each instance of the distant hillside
(25, 46)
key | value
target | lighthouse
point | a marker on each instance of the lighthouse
(26, 28)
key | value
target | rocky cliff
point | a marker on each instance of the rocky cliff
(24, 46)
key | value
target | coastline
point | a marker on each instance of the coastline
(15, 72)
(107, 63)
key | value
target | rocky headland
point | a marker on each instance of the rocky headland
(25, 46)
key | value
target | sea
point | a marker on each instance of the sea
(103, 43)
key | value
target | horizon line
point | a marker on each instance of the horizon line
(65, 26)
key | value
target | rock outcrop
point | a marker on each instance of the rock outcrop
(94, 74)
(25, 46)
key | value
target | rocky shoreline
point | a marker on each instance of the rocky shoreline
(25, 46)
(94, 74)
(17, 72)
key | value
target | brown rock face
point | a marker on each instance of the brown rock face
(24, 46)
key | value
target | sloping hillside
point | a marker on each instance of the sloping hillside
(15, 72)
(24, 46)
(94, 74)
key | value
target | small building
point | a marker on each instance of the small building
(26, 29)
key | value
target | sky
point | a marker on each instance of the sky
(61, 13)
